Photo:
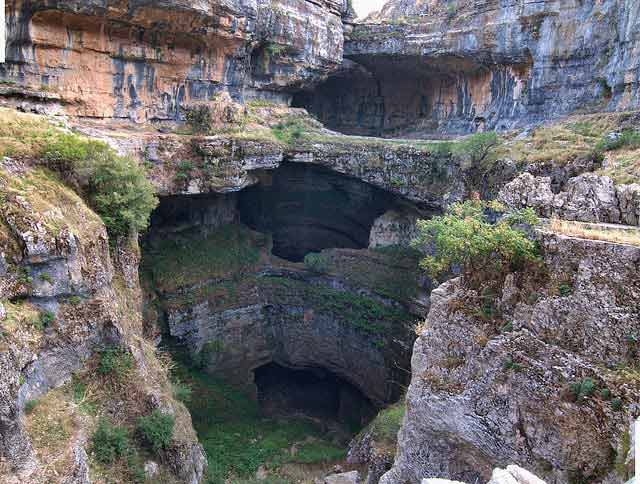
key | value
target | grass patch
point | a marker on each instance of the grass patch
(593, 232)
(386, 425)
(155, 430)
(176, 263)
(237, 439)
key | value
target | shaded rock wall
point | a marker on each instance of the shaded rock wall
(443, 67)
(485, 395)
(145, 61)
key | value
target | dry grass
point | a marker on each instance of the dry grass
(52, 425)
(561, 142)
(594, 232)
(622, 166)
(24, 135)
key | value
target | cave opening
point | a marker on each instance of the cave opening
(314, 393)
(416, 97)
(308, 208)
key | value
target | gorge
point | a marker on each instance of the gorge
(220, 224)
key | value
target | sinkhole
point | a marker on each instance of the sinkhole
(307, 208)
(316, 393)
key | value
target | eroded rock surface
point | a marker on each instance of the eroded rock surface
(486, 394)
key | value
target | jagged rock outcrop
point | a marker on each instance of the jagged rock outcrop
(549, 386)
(512, 474)
(585, 198)
(146, 61)
(443, 67)
(66, 294)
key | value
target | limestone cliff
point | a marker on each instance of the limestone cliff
(67, 297)
(550, 385)
(455, 67)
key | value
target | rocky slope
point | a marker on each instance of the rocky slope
(549, 381)
(67, 297)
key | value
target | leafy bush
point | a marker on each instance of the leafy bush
(290, 131)
(181, 391)
(628, 138)
(316, 262)
(115, 361)
(156, 429)
(616, 404)
(476, 148)
(583, 389)
(115, 186)
(46, 319)
(463, 237)
(198, 118)
(30, 405)
(110, 442)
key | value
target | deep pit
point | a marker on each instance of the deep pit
(321, 348)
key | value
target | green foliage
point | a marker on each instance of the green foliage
(318, 451)
(316, 262)
(116, 362)
(30, 405)
(476, 148)
(616, 404)
(629, 138)
(46, 277)
(565, 289)
(276, 50)
(524, 216)
(181, 391)
(387, 423)
(47, 318)
(116, 186)
(110, 442)
(509, 364)
(583, 389)
(74, 300)
(289, 131)
(236, 436)
(184, 170)
(198, 118)
(463, 237)
(155, 430)
(452, 9)
(605, 393)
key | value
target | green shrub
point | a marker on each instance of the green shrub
(605, 393)
(387, 423)
(110, 442)
(463, 237)
(509, 364)
(583, 389)
(628, 138)
(616, 404)
(199, 118)
(115, 186)
(181, 391)
(115, 361)
(184, 170)
(155, 430)
(30, 405)
(316, 262)
(46, 319)
(565, 289)
(46, 277)
(476, 148)
(290, 131)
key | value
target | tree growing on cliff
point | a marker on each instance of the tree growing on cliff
(465, 238)
(476, 148)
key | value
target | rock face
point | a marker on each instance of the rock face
(147, 61)
(67, 294)
(549, 386)
(438, 67)
(585, 198)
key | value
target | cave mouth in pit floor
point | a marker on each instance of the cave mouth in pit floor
(315, 393)
(308, 208)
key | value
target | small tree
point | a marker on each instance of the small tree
(464, 238)
(476, 148)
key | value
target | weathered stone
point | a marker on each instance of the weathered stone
(507, 396)
(352, 477)
(585, 198)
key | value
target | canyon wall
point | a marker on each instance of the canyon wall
(433, 67)
(144, 61)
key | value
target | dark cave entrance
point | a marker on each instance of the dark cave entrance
(308, 208)
(315, 393)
